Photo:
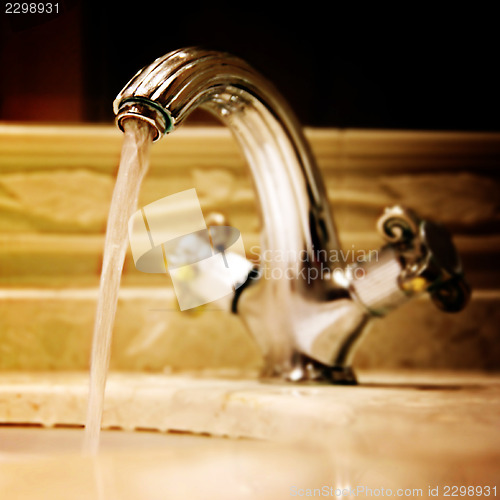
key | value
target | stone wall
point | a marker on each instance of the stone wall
(55, 190)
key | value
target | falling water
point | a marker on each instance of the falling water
(133, 167)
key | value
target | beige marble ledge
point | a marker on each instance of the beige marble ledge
(29, 146)
(433, 416)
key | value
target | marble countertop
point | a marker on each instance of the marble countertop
(403, 427)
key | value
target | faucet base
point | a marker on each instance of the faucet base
(307, 369)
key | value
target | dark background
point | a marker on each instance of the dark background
(350, 68)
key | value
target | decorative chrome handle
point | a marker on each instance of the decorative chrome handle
(428, 257)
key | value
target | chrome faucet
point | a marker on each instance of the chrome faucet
(306, 310)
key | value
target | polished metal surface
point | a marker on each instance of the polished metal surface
(305, 310)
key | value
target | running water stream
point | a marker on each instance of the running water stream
(134, 164)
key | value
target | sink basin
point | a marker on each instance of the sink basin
(189, 437)
(38, 463)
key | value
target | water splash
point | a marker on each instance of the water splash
(134, 164)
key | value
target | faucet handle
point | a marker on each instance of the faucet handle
(428, 256)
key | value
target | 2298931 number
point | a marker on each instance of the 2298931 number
(469, 491)
(32, 8)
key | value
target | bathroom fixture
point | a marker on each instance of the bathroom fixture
(305, 309)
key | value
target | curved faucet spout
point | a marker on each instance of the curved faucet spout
(296, 307)
(284, 169)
